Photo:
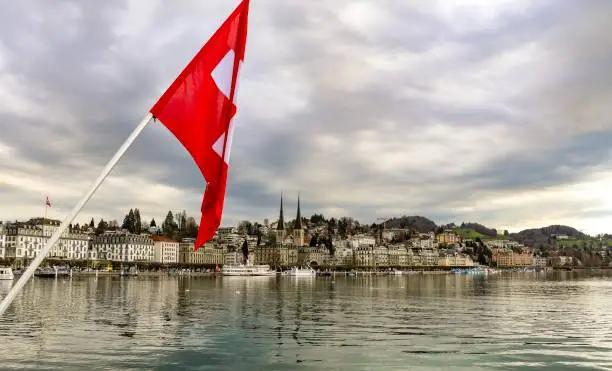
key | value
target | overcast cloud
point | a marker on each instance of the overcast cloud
(489, 111)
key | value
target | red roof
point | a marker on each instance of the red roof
(162, 238)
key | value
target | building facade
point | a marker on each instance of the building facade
(124, 247)
(26, 240)
(165, 250)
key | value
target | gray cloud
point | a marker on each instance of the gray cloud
(404, 106)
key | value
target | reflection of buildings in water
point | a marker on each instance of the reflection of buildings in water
(246, 283)
(53, 315)
(136, 307)
(297, 282)
(298, 324)
(5, 287)
(247, 296)
(279, 317)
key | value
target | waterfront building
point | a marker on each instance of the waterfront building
(214, 254)
(26, 240)
(512, 259)
(381, 256)
(455, 260)
(398, 256)
(540, 261)
(343, 256)
(123, 247)
(363, 256)
(165, 250)
(425, 258)
(187, 255)
(233, 256)
(562, 261)
(2, 240)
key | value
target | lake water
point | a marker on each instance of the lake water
(510, 321)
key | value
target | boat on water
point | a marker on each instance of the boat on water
(54, 271)
(6, 273)
(474, 271)
(300, 272)
(248, 269)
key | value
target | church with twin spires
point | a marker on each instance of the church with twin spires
(296, 238)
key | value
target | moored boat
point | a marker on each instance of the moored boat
(6, 273)
(247, 269)
(300, 272)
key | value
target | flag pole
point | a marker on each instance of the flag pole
(29, 272)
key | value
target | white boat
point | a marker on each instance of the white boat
(247, 269)
(302, 272)
(6, 273)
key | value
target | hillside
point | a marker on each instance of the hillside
(537, 237)
(416, 223)
(481, 229)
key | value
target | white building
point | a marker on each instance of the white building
(234, 257)
(124, 247)
(361, 240)
(165, 250)
(26, 240)
(540, 261)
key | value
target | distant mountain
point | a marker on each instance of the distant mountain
(480, 229)
(537, 237)
(417, 223)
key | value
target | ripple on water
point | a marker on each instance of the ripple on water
(556, 322)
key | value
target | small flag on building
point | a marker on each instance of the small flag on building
(47, 202)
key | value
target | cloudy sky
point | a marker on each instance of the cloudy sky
(489, 111)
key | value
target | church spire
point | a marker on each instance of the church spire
(281, 221)
(298, 218)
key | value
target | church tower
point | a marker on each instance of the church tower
(298, 231)
(280, 227)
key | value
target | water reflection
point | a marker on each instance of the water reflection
(557, 320)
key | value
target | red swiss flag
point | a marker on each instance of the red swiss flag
(198, 109)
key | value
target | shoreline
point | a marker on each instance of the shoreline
(322, 273)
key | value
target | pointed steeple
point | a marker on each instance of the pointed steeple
(298, 218)
(281, 221)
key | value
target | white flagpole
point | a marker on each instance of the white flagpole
(29, 272)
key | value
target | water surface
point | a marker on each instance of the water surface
(555, 321)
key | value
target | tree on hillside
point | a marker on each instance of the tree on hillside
(317, 218)
(330, 246)
(137, 222)
(314, 240)
(91, 223)
(258, 237)
(245, 250)
(256, 227)
(101, 228)
(246, 227)
(128, 221)
(191, 229)
(152, 224)
(169, 226)
(181, 221)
